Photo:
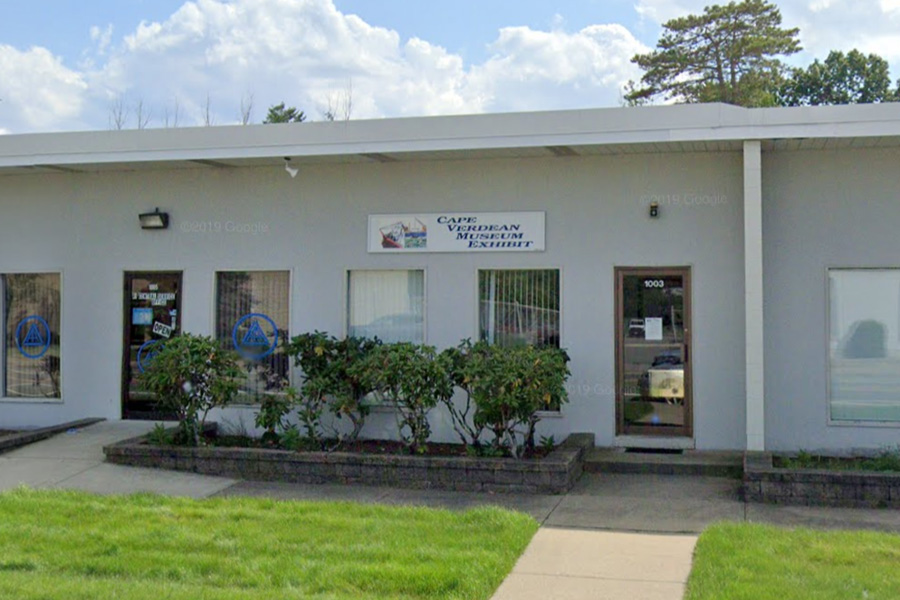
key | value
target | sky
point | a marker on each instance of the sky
(68, 66)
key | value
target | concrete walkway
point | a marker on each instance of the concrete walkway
(570, 564)
(74, 460)
(611, 537)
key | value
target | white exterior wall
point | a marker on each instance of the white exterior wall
(86, 226)
(821, 209)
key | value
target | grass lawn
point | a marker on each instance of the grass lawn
(756, 562)
(76, 546)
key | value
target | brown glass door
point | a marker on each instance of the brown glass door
(653, 351)
(152, 316)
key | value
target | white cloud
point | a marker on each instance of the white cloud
(306, 52)
(309, 54)
(819, 5)
(298, 51)
(102, 37)
(889, 6)
(660, 11)
(537, 69)
(39, 93)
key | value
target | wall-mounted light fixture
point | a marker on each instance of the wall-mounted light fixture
(154, 220)
(654, 210)
(287, 167)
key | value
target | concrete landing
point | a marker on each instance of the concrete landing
(689, 462)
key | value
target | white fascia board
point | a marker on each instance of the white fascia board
(644, 125)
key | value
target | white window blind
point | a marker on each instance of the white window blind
(389, 305)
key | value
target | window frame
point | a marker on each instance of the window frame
(544, 414)
(12, 399)
(827, 352)
(346, 296)
(214, 304)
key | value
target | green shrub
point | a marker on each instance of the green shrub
(190, 376)
(510, 386)
(462, 416)
(413, 378)
(291, 439)
(330, 381)
(160, 436)
(272, 415)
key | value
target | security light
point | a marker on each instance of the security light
(287, 167)
(154, 220)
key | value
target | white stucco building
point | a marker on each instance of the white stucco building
(759, 307)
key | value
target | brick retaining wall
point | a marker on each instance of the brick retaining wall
(811, 487)
(554, 474)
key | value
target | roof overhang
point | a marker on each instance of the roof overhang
(677, 128)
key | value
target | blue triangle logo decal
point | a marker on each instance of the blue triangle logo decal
(33, 339)
(255, 337)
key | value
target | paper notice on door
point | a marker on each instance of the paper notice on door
(653, 329)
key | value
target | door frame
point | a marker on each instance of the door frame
(686, 431)
(127, 278)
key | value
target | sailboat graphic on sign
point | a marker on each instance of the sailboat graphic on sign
(399, 235)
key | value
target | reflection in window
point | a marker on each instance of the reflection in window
(864, 344)
(31, 314)
(252, 317)
(519, 307)
(389, 305)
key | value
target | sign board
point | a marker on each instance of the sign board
(457, 232)
(162, 329)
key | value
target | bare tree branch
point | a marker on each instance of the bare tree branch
(208, 119)
(118, 113)
(246, 108)
(142, 115)
(171, 120)
(339, 105)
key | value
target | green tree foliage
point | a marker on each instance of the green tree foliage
(727, 54)
(851, 78)
(278, 113)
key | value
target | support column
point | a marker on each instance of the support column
(753, 288)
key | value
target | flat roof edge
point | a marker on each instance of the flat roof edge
(590, 127)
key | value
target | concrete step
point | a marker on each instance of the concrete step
(687, 462)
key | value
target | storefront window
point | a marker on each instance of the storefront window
(31, 317)
(519, 307)
(389, 305)
(252, 318)
(864, 344)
